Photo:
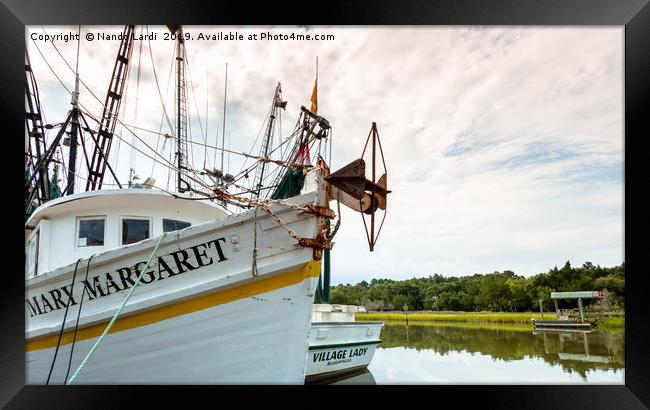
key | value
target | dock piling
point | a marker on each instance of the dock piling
(582, 315)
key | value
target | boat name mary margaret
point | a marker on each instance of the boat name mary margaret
(106, 284)
(339, 354)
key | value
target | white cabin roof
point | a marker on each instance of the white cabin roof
(117, 198)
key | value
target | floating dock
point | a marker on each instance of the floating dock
(562, 325)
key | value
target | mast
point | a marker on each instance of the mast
(110, 111)
(181, 110)
(312, 127)
(223, 131)
(35, 141)
(323, 290)
(74, 132)
(75, 136)
(266, 142)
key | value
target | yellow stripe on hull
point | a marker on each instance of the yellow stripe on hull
(219, 297)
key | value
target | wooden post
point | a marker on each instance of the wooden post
(541, 310)
(582, 316)
(406, 312)
(557, 309)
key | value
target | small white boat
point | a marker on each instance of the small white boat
(339, 346)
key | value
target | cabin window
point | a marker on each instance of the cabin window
(91, 232)
(135, 230)
(170, 225)
(32, 255)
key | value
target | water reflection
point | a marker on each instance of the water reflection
(364, 378)
(462, 353)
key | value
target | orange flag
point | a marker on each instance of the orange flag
(314, 98)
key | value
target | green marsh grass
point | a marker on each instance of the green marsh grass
(616, 324)
(479, 319)
(476, 317)
(519, 327)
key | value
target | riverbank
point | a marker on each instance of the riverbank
(512, 327)
(522, 318)
(476, 317)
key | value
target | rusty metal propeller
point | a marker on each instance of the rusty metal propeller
(350, 186)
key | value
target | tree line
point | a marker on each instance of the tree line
(497, 291)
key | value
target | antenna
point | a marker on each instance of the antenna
(134, 142)
(223, 131)
(207, 93)
(74, 132)
(76, 68)
(225, 101)
(264, 151)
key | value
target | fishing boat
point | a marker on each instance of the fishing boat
(338, 345)
(206, 310)
(141, 285)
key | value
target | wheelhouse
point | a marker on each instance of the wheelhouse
(77, 226)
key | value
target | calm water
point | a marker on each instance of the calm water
(452, 353)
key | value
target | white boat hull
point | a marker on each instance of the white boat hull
(337, 348)
(258, 340)
(199, 315)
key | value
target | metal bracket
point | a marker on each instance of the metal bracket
(322, 211)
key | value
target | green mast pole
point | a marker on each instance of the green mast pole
(318, 297)
(326, 277)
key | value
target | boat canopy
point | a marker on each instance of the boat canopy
(584, 294)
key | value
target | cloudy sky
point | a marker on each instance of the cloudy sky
(504, 145)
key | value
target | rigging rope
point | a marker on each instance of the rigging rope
(65, 315)
(76, 326)
(257, 137)
(196, 107)
(168, 163)
(137, 96)
(128, 127)
(155, 76)
(164, 113)
(95, 119)
(117, 314)
(205, 136)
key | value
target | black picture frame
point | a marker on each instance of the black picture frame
(633, 14)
